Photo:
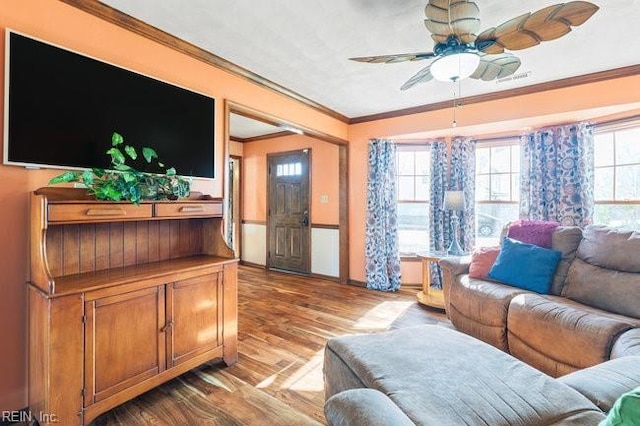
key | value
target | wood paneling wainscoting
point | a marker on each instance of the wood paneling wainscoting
(284, 323)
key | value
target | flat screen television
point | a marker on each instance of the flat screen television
(61, 109)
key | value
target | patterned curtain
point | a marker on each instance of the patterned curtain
(382, 255)
(556, 181)
(440, 231)
(463, 178)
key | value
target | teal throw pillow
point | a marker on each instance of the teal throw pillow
(626, 410)
(525, 266)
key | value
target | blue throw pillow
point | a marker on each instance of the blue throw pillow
(525, 266)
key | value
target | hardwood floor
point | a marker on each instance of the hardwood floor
(284, 322)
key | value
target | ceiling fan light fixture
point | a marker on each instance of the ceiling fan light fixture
(455, 66)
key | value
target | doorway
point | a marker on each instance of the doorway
(234, 199)
(288, 231)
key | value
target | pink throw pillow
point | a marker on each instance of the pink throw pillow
(482, 259)
(536, 232)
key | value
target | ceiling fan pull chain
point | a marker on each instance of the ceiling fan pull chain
(455, 104)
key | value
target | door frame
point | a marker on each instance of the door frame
(238, 220)
(268, 193)
(343, 170)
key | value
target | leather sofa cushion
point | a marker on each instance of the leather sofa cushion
(581, 336)
(603, 288)
(627, 345)
(604, 383)
(610, 248)
(564, 239)
(453, 379)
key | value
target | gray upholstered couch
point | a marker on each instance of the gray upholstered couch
(432, 375)
(591, 315)
(587, 331)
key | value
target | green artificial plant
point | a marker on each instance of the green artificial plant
(126, 183)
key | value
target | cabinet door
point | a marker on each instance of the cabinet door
(124, 341)
(194, 312)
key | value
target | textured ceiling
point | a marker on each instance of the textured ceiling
(304, 45)
(244, 128)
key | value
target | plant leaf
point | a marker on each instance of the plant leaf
(171, 171)
(122, 167)
(98, 172)
(87, 177)
(129, 177)
(116, 156)
(116, 139)
(131, 152)
(65, 177)
(149, 154)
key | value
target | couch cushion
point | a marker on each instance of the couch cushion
(603, 288)
(565, 239)
(611, 248)
(628, 344)
(558, 336)
(482, 259)
(419, 369)
(479, 308)
(604, 383)
(525, 266)
(536, 232)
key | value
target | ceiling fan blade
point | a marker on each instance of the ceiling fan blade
(389, 59)
(422, 76)
(530, 29)
(452, 17)
(492, 67)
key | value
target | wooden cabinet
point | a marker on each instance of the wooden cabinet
(123, 298)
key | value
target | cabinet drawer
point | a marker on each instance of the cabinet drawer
(97, 212)
(188, 209)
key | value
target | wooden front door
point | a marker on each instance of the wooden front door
(288, 216)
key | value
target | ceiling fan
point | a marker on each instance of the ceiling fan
(461, 52)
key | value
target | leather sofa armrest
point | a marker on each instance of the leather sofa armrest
(604, 383)
(364, 407)
(451, 268)
(455, 265)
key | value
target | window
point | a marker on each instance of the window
(617, 177)
(414, 183)
(497, 189)
(289, 169)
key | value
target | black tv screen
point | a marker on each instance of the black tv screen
(62, 109)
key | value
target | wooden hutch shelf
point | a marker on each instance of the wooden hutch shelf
(123, 298)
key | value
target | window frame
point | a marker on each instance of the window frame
(412, 147)
(613, 128)
(492, 143)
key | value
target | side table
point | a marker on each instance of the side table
(430, 296)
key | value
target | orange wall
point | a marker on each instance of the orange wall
(66, 26)
(324, 176)
(505, 115)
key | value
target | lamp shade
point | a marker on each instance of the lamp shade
(455, 66)
(454, 200)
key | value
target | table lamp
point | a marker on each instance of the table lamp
(454, 201)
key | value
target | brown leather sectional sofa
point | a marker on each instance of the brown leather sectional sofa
(591, 315)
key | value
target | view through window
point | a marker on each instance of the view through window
(414, 166)
(617, 177)
(497, 188)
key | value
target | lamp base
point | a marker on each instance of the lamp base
(454, 248)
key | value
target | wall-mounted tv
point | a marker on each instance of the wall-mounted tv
(61, 109)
